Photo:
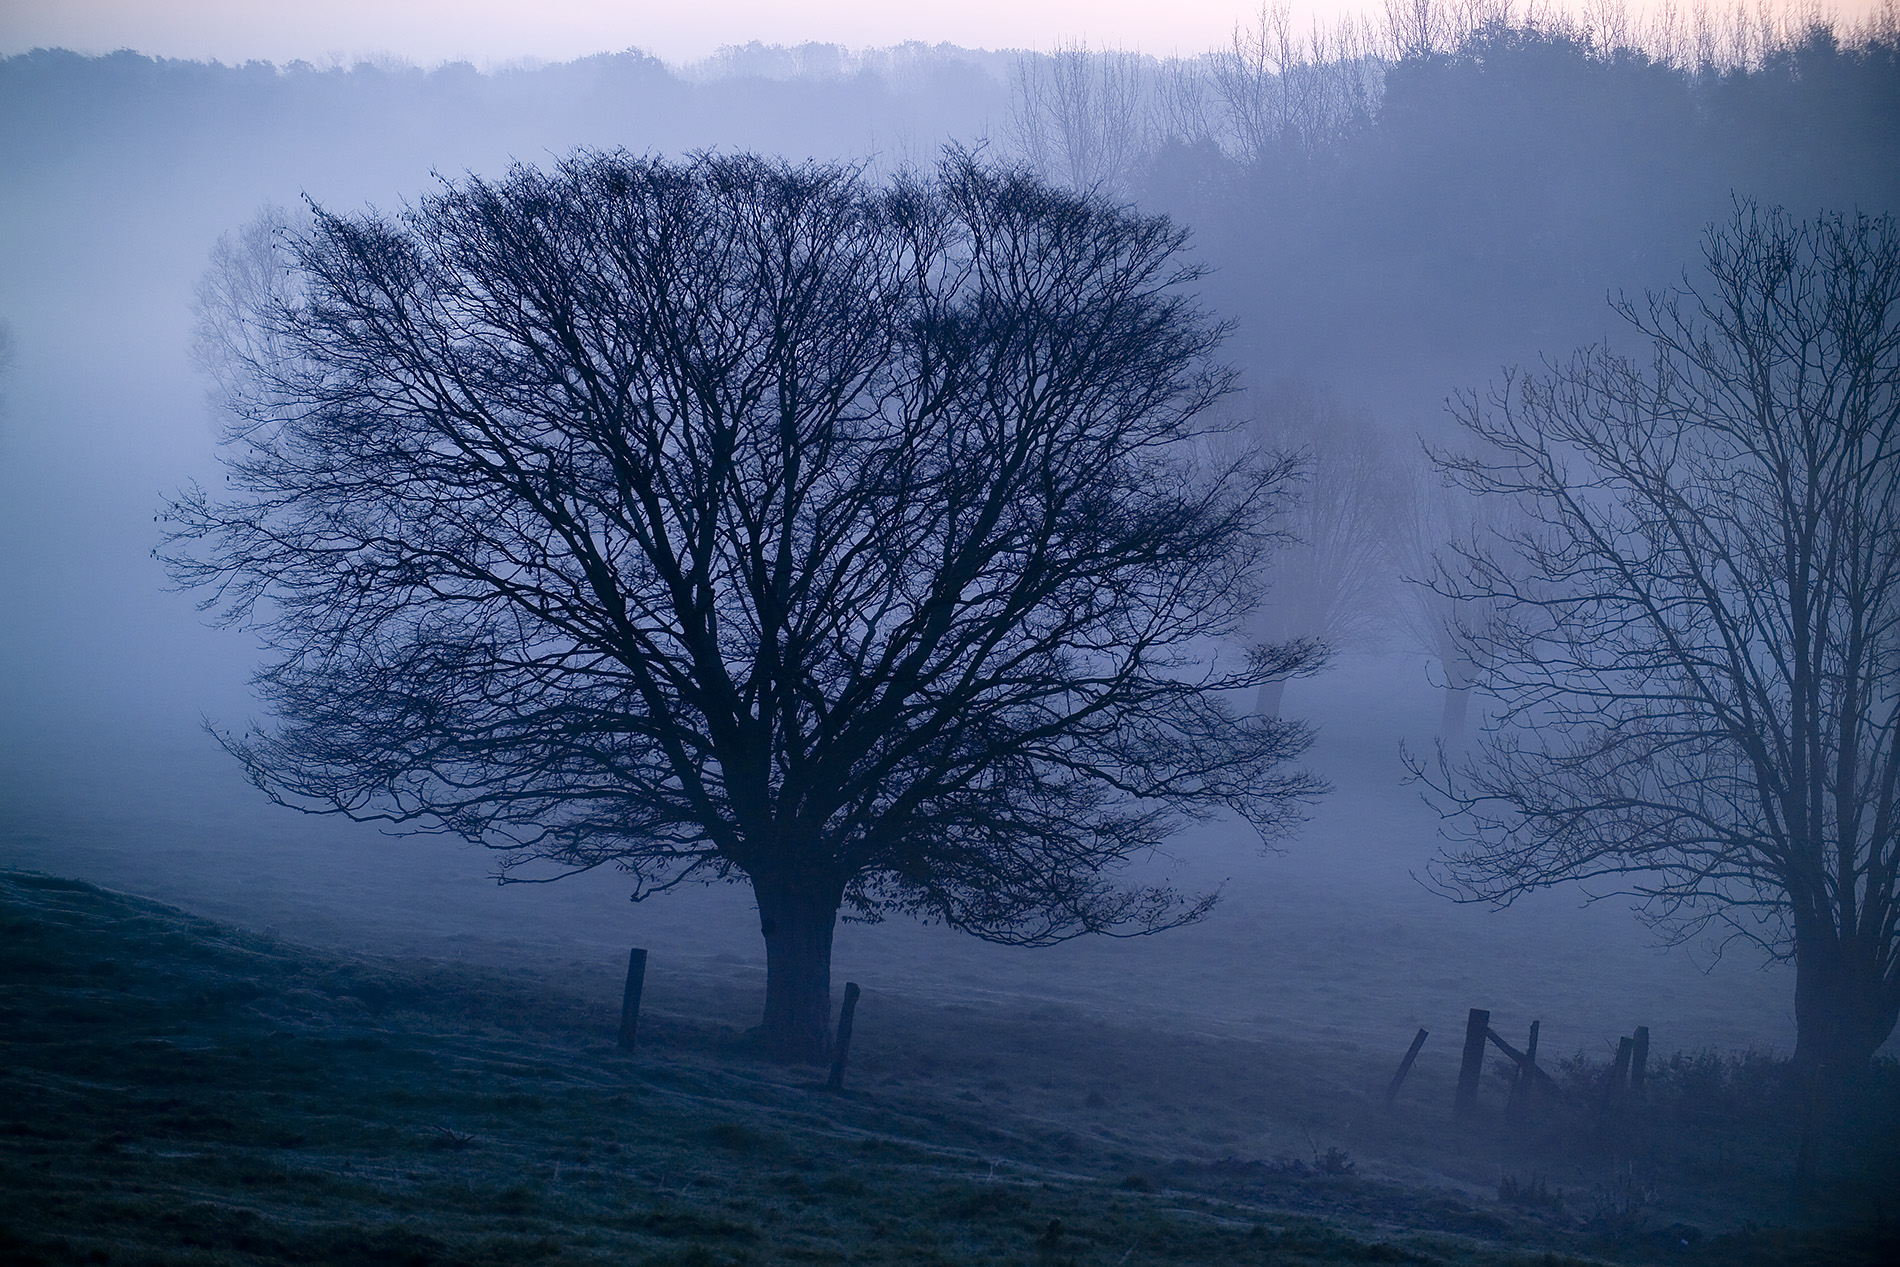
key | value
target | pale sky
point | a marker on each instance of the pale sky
(488, 31)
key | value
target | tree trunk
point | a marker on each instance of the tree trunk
(1267, 702)
(797, 921)
(1461, 674)
(1843, 1011)
(1843, 1008)
(1451, 723)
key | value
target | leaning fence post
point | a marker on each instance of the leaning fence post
(843, 1051)
(1639, 1062)
(1619, 1075)
(1471, 1068)
(1521, 1081)
(630, 1001)
(1405, 1067)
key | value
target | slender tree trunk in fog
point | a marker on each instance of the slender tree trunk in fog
(797, 919)
(1267, 702)
(1461, 674)
(1451, 723)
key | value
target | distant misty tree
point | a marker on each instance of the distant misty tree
(1183, 106)
(1697, 640)
(733, 520)
(1432, 519)
(1082, 118)
(1329, 586)
(1286, 90)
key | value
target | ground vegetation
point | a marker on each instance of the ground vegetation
(180, 1091)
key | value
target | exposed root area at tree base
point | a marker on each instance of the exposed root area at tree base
(181, 1092)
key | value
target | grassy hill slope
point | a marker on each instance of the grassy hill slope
(178, 1091)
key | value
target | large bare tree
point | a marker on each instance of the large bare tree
(728, 519)
(1697, 642)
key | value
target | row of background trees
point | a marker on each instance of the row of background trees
(1541, 158)
(1285, 88)
(1489, 178)
(1395, 223)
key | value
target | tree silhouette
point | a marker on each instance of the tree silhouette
(731, 520)
(1697, 631)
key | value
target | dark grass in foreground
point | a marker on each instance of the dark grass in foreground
(177, 1091)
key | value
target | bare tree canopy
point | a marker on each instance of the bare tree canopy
(1282, 89)
(1698, 636)
(728, 519)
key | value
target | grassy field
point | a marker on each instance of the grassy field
(180, 1091)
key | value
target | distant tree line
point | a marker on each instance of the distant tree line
(1383, 203)
(1279, 88)
(1401, 205)
(898, 104)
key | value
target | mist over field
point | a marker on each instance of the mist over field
(1391, 227)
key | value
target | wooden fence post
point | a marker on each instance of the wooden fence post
(630, 1001)
(1618, 1081)
(1471, 1067)
(843, 1050)
(1525, 1065)
(1405, 1067)
(1639, 1063)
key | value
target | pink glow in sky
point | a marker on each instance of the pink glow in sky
(487, 31)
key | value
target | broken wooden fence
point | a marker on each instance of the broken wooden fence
(1623, 1085)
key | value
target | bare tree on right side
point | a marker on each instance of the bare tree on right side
(1697, 652)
